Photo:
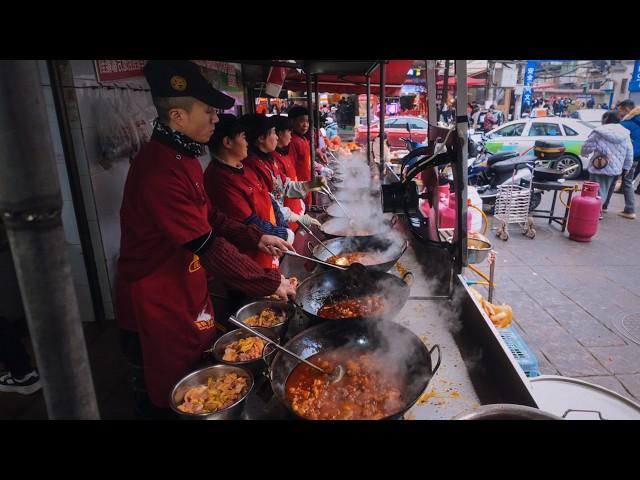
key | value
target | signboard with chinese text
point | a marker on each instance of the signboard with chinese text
(109, 70)
(527, 91)
(222, 75)
(634, 84)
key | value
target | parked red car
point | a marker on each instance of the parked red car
(396, 127)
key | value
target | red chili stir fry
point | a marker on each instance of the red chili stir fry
(355, 307)
(366, 392)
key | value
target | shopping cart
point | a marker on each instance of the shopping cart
(512, 206)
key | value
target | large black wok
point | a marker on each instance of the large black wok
(388, 250)
(342, 227)
(404, 353)
(335, 285)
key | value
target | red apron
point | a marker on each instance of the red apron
(296, 205)
(300, 151)
(175, 328)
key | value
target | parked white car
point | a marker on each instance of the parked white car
(519, 135)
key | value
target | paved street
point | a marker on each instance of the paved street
(568, 298)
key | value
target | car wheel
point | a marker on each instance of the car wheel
(570, 163)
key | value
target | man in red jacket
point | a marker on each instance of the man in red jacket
(168, 245)
(300, 147)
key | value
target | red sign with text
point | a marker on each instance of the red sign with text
(108, 70)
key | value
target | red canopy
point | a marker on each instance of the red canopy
(395, 75)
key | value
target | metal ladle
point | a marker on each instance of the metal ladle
(334, 376)
(327, 191)
(308, 230)
(296, 254)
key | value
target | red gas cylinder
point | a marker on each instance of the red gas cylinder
(584, 213)
(448, 214)
(443, 193)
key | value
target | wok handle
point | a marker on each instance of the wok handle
(267, 372)
(404, 249)
(585, 411)
(310, 246)
(408, 274)
(394, 220)
(435, 369)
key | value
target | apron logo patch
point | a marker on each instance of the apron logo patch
(204, 321)
(194, 266)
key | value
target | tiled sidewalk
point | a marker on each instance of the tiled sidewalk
(568, 297)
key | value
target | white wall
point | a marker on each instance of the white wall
(102, 182)
(74, 249)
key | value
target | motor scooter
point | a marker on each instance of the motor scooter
(489, 171)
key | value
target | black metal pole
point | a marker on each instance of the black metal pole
(316, 99)
(445, 85)
(76, 189)
(382, 112)
(460, 166)
(369, 119)
(311, 123)
(31, 206)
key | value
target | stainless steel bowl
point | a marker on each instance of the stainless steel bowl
(256, 366)
(478, 248)
(199, 377)
(255, 308)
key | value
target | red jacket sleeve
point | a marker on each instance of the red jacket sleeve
(239, 271)
(244, 236)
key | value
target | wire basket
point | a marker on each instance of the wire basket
(512, 204)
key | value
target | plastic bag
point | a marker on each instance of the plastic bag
(113, 140)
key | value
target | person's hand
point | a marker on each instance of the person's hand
(316, 184)
(285, 291)
(273, 245)
(308, 220)
(326, 171)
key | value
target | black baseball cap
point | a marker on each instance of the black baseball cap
(182, 78)
(227, 126)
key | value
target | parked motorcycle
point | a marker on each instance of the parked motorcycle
(489, 171)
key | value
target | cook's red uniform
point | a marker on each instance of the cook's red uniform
(239, 193)
(300, 152)
(162, 288)
(286, 166)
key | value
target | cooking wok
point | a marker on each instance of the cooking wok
(403, 351)
(354, 194)
(335, 285)
(341, 227)
(355, 209)
(391, 251)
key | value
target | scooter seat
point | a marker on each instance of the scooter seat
(500, 157)
(509, 166)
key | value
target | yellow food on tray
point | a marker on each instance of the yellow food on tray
(244, 349)
(217, 394)
(267, 318)
(500, 315)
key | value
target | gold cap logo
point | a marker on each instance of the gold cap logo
(178, 83)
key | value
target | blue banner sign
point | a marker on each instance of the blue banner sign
(527, 91)
(634, 84)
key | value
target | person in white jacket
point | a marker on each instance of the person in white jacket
(611, 153)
